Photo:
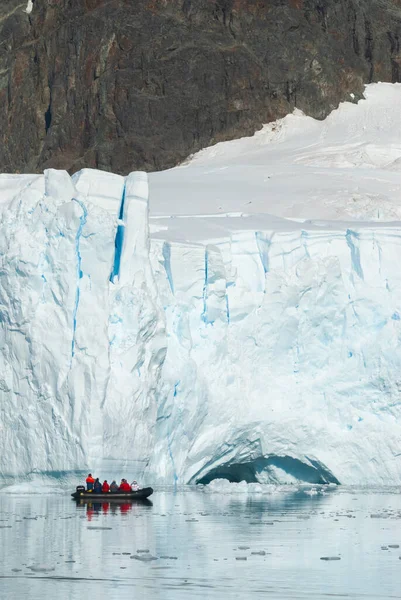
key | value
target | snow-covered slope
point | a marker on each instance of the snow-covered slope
(345, 167)
(231, 341)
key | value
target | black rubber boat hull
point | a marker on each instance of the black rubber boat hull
(109, 497)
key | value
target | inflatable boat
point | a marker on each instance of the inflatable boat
(82, 494)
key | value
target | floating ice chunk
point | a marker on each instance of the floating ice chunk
(41, 568)
(223, 486)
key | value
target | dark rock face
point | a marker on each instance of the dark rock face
(141, 84)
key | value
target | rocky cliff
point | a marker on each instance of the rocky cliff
(140, 84)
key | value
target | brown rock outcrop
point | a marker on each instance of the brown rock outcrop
(129, 84)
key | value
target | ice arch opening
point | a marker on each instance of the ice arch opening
(272, 469)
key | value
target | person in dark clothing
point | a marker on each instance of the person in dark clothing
(97, 487)
(113, 486)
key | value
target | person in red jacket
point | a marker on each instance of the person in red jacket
(105, 487)
(125, 486)
(89, 483)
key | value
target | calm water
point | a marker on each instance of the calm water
(51, 547)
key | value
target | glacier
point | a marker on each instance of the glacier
(245, 323)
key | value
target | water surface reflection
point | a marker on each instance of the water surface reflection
(197, 544)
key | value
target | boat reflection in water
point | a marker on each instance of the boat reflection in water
(122, 507)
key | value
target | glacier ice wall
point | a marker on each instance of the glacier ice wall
(283, 360)
(80, 354)
(268, 350)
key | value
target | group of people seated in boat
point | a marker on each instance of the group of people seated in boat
(94, 485)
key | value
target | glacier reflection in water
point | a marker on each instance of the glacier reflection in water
(194, 543)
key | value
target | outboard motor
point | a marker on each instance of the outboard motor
(80, 489)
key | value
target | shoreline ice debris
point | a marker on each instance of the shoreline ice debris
(200, 348)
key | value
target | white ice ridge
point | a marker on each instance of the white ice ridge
(249, 347)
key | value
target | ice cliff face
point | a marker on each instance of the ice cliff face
(80, 355)
(287, 330)
(267, 354)
(211, 344)
(283, 360)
